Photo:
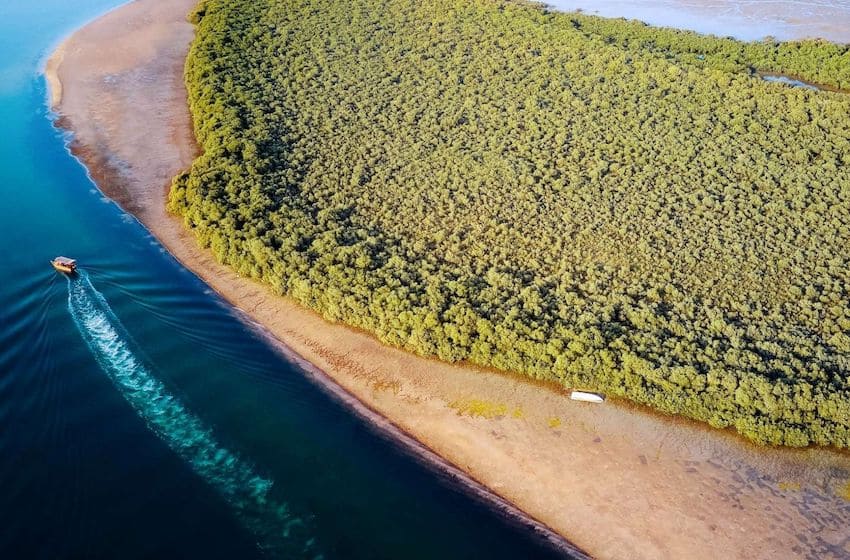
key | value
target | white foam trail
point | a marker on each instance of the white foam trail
(233, 477)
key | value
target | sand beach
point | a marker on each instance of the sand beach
(616, 481)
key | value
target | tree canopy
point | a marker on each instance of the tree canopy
(591, 201)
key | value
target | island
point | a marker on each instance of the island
(460, 210)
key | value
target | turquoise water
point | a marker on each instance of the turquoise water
(140, 418)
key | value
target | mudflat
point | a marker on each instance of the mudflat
(616, 481)
(743, 19)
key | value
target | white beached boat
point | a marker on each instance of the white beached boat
(585, 396)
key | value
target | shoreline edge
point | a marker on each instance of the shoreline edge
(129, 126)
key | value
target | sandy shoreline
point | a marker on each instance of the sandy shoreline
(616, 482)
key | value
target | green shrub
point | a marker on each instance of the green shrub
(594, 202)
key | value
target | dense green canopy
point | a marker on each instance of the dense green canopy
(591, 201)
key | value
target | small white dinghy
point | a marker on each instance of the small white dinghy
(586, 396)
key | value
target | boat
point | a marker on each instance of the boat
(64, 264)
(586, 396)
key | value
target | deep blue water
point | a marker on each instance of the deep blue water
(139, 418)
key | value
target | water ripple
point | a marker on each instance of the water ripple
(278, 531)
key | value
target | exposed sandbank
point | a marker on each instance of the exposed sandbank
(743, 19)
(618, 482)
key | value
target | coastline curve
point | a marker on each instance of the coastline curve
(593, 475)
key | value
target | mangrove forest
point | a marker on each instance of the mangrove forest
(593, 202)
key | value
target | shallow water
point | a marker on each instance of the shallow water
(140, 418)
(788, 81)
(749, 20)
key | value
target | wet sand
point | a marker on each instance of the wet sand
(749, 20)
(616, 481)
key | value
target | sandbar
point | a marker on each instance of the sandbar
(614, 480)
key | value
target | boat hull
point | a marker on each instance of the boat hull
(64, 269)
(584, 396)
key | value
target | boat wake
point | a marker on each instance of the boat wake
(278, 532)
